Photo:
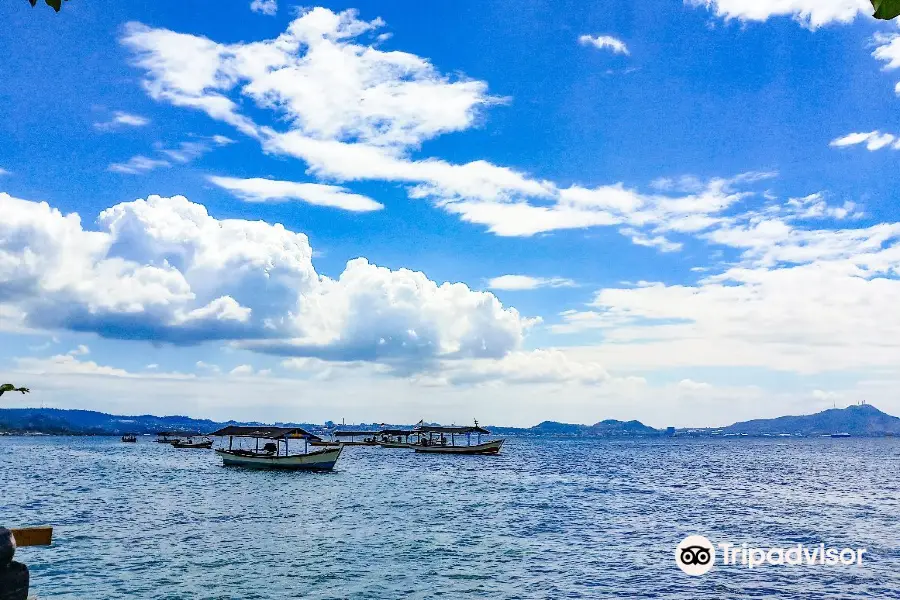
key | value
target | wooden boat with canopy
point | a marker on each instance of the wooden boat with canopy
(396, 438)
(349, 438)
(167, 437)
(202, 442)
(275, 452)
(441, 445)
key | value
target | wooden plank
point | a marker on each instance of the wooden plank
(33, 536)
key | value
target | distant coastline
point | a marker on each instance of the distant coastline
(862, 420)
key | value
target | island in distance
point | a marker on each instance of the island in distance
(863, 420)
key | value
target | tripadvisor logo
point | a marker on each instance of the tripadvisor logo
(696, 555)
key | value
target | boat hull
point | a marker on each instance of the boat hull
(320, 460)
(325, 444)
(492, 447)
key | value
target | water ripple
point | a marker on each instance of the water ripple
(547, 518)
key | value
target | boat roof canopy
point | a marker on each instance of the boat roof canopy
(271, 433)
(397, 431)
(354, 433)
(450, 429)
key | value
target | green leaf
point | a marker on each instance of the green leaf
(56, 4)
(886, 9)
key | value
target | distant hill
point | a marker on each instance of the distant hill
(554, 428)
(88, 422)
(612, 427)
(606, 428)
(860, 420)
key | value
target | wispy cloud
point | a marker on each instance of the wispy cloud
(874, 140)
(241, 370)
(200, 365)
(183, 152)
(80, 350)
(69, 364)
(605, 42)
(270, 190)
(138, 165)
(526, 282)
(122, 119)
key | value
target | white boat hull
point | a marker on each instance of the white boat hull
(492, 447)
(320, 460)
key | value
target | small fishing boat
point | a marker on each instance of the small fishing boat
(429, 445)
(840, 435)
(324, 443)
(129, 438)
(321, 442)
(169, 437)
(202, 443)
(396, 438)
(271, 455)
(349, 438)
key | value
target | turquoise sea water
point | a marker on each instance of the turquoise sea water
(545, 519)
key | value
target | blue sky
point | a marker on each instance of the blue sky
(677, 213)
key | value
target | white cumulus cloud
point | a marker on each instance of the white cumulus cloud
(163, 269)
(266, 7)
(810, 13)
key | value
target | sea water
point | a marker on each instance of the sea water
(547, 518)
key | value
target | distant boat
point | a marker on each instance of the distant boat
(129, 437)
(202, 443)
(349, 438)
(396, 438)
(441, 445)
(840, 435)
(169, 437)
(271, 455)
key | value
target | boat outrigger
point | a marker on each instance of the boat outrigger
(271, 456)
(428, 444)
